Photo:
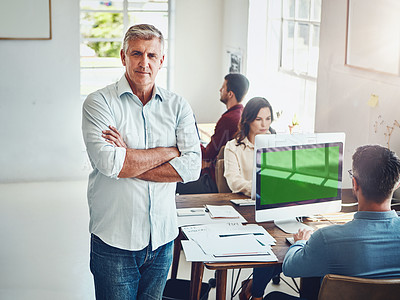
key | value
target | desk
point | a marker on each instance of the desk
(280, 249)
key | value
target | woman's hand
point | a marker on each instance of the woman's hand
(113, 137)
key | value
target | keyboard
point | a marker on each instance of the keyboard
(243, 202)
(290, 240)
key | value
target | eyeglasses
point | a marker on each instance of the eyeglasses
(350, 173)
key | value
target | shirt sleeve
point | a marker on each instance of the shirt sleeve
(96, 117)
(232, 170)
(307, 259)
(188, 164)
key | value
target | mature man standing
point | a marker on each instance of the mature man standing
(232, 92)
(131, 191)
(367, 246)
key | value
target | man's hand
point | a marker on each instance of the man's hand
(113, 137)
(302, 235)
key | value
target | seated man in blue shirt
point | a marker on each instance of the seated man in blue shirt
(368, 246)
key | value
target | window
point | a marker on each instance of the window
(300, 36)
(282, 59)
(103, 25)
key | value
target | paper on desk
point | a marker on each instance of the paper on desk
(237, 246)
(230, 239)
(210, 230)
(228, 228)
(190, 212)
(251, 229)
(222, 211)
(194, 253)
(206, 219)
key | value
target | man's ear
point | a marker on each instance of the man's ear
(122, 53)
(356, 186)
(397, 186)
(231, 94)
(161, 62)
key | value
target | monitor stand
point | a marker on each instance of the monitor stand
(291, 225)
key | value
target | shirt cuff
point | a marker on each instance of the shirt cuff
(119, 159)
(186, 169)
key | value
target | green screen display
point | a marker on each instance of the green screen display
(299, 174)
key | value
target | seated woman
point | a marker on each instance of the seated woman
(256, 119)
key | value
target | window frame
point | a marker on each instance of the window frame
(125, 11)
(298, 21)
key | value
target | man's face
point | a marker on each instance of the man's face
(142, 60)
(223, 93)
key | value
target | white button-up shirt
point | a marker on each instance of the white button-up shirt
(126, 212)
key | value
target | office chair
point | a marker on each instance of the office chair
(338, 287)
(220, 179)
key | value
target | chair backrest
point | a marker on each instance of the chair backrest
(220, 179)
(338, 287)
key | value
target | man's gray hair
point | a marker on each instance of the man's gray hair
(143, 32)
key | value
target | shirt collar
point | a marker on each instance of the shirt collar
(376, 215)
(235, 107)
(248, 143)
(124, 87)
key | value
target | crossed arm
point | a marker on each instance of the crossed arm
(148, 164)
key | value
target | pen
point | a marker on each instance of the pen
(237, 234)
(262, 244)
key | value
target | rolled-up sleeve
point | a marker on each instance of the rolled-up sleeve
(188, 164)
(96, 117)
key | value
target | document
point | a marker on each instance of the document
(190, 212)
(194, 253)
(237, 245)
(222, 211)
(185, 219)
(231, 239)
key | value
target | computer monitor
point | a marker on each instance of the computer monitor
(297, 175)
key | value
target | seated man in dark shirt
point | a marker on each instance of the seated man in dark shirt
(232, 92)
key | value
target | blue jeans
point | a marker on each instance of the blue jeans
(121, 274)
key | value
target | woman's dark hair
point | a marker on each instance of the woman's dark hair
(249, 114)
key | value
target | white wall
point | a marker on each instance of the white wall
(198, 44)
(343, 91)
(40, 106)
(204, 31)
(235, 29)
